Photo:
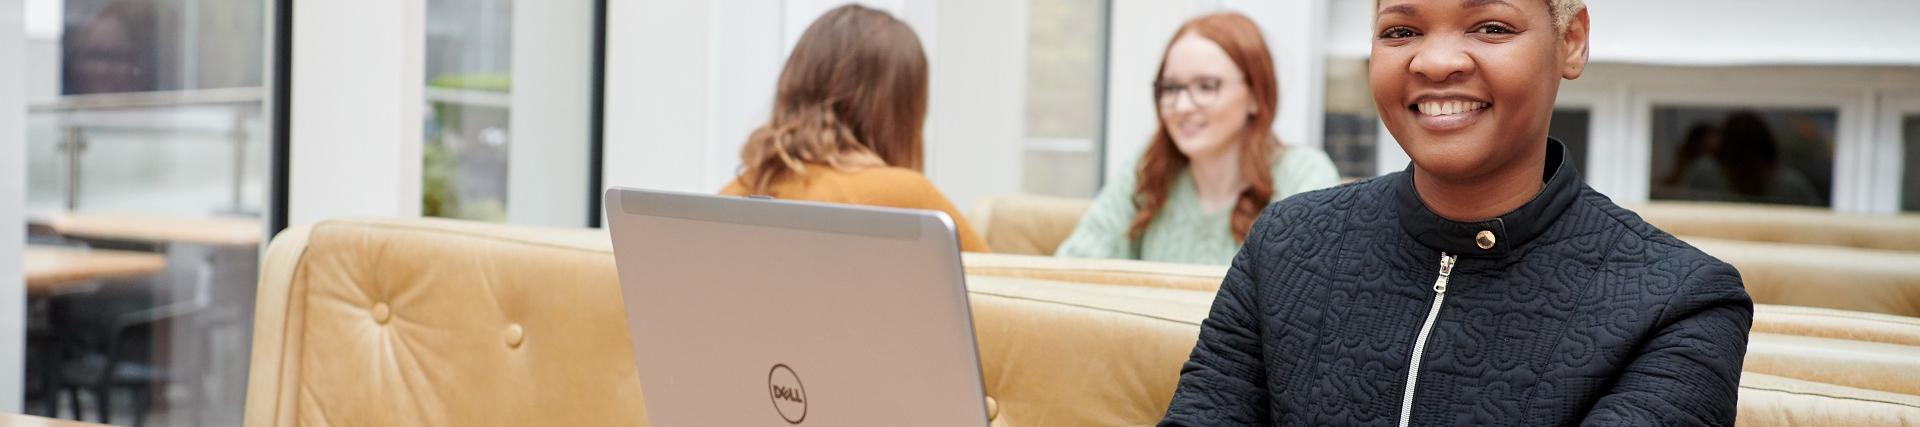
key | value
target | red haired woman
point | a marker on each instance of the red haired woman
(1214, 162)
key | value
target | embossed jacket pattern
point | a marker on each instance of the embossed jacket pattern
(1577, 313)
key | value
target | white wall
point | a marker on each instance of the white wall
(356, 109)
(13, 197)
(659, 62)
(688, 81)
(977, 115)
(1716, 32)
(552, 88)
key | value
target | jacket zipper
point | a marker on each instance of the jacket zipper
(1420, 343)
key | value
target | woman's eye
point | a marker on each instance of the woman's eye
(1209, 86)
(1397, 33)
(1494, 29)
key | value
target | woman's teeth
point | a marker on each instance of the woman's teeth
(1448, 108)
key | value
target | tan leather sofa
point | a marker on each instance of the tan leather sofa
(448, 323)
(433, 322)
(1804, 366)
(1811, 274)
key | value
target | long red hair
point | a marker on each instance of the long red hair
(1241, 39)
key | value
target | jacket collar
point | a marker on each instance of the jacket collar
(1498, 236)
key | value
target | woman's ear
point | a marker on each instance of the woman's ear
(1573, 46)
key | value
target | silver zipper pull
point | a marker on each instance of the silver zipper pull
(1420, 342)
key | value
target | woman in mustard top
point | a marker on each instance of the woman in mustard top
(846, 121)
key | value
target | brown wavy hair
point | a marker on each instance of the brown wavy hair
(853, 95)
(1163, 161)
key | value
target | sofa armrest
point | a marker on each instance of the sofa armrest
(276, 316)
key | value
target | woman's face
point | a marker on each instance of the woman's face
(1467, 86)
(1202, 96)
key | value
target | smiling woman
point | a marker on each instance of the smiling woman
(1214, 162)
(1486, 285)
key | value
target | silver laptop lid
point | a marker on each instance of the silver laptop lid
(748, 312)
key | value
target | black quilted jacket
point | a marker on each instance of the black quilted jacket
(1356, 305)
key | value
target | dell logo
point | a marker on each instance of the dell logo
(788, 395)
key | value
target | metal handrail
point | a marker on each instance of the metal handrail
(132, 100)
(74, 140)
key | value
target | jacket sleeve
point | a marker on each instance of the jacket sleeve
(1224, 380)
(1688, 372)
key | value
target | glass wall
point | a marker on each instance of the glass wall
(1066, 57)
(147, 148)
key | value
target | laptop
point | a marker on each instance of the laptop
(760, 312)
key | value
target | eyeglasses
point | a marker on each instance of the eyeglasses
(1204, 92)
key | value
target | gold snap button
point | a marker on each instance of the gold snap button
(1484, 239)
(515, 335)
(381, 313)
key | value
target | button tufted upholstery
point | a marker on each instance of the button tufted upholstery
(440, 323)
(1061, 343)
(499, 325)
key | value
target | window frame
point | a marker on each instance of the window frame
(1888, 152)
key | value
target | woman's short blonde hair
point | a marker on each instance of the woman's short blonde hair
(1562, 11)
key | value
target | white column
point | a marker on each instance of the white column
(976, 115)
(356, 108)
(748, 56)
(659, 65)
(13, 198)
(552, 88)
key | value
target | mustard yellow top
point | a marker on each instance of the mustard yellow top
(877, 186)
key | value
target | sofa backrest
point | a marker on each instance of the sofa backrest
(440, 323)
(436, 322)
(1814, 275)
(1784, 224)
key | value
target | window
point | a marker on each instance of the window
(1353, 125)
(145, 115)
(507, 130)
(1735, 154)
(468, 66)
(1573, 126)
(1066, 54)
(1910, 188)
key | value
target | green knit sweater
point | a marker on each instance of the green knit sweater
(1183, 231)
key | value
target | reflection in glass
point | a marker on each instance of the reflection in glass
(1774, 156)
